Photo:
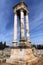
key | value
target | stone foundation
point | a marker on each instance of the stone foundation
(21, 55)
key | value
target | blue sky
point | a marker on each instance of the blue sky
(35, 8)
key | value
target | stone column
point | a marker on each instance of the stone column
(27, 28)
(22, 24)
(15, 29)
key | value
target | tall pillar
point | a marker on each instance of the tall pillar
(22, 25)
(15, 29)
(27, 28)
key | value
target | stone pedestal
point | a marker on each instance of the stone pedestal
(21, 54)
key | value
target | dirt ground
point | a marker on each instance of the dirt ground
(5, 64)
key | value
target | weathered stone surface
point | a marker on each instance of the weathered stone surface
(36, 52)
(37, 62)
(21, 55)
(4, 54)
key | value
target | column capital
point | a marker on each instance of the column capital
(27, 13)
(15, 12)
(21, 9)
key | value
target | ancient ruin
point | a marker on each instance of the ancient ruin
(23, 52)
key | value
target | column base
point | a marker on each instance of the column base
(14, 43)
(22, 39)
(28, 42)
(22, 42)
(25, 43)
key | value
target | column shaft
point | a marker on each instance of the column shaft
(27, 28)
(15, 28)
(22, 25)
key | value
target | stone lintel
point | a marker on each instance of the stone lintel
(24, 9)
(20, 6)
